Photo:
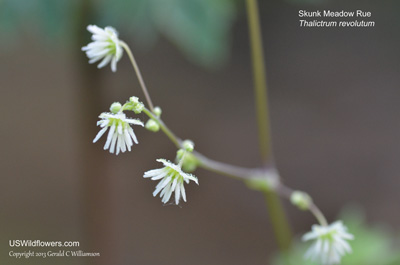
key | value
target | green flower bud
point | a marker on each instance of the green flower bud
(301, 199)
(138, 108)
(134, 105)
(134, 99)
(188, 145)
(152, 125)
(115, 107)
(157, 111)
(189, 163)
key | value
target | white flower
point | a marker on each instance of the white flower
(330, 244)
(120, 135)
(105, 45)
(172, 180)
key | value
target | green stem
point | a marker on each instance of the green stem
(276, 212)
(138, 74)
(260, 83)
(177, 142)
(205, 162)
(232, 171)
(277, 215)
(278, 220)
(318, 214)
(287, 192)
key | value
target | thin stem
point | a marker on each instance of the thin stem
(278, 220)
(139, 75)
(277, 214)
(287, 192)
(177, 142)
(318, 214)
(205, 162)
(260, 83)
(227, 169)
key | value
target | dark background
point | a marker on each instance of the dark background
(334, 95)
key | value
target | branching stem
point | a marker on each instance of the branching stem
(278, 218)
(277, 214)
(138, 74)
(177, 142)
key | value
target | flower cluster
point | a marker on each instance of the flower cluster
(172, 180)
(330, 243)
(120, 135)
(105, 46)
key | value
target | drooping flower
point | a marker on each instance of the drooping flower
(172, 180)
(120, 135)
(105, 46)
(330, 243)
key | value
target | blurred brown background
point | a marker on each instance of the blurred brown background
(334, 97)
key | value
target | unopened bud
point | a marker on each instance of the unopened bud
(115, 107)
(134, 99)
(152, 125)
(157, 111)
(135, 105)
(188, 145)
(301, 200)
(189, 163)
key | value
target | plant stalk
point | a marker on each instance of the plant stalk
(278, 220)
(260, 83)
(177, 142)
(277, 214)
(318, 215)
(138, 74)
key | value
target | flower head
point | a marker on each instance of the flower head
(105, 45)
(172, 180)
(120, 135)
(330, 243)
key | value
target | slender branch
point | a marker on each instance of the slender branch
(226, 169)
(260, 83)
(318, 214)
(139, 75)
(278, 220)
(205, 162)
(287, 192)
(177, 141)
(277, 214)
